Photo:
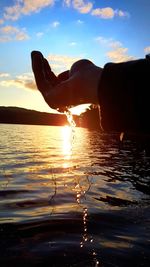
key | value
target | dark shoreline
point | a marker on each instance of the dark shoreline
(16, 115)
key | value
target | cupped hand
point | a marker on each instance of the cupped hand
(71, 88)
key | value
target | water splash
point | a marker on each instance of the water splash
(70, 118)
(79, 193)
(86, 238)
(72, 124)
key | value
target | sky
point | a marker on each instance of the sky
(65, 31)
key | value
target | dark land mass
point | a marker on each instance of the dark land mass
(15, 115)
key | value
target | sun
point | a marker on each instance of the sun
(80, 109)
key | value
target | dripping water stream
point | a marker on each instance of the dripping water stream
(86, 238)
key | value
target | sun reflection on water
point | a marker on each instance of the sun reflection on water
(80, 189)
(67, 141)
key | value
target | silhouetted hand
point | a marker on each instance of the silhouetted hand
(71, 88)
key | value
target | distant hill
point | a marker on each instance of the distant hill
(15, 115)
(25, 116)
(90, 119)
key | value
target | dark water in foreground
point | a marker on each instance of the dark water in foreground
(85, 204)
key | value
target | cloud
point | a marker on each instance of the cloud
(4, 75)
(104, 13)
(118, 53)
(39, 34)
(25, 81)
(108, 42)
(1, 21)
(67, 3)
(73, 44)
(121, 13)
(82, 6)
(85, 6)
(147, 49)
(58, 63)
(10, 33)
(61, 63)
(80, 21)
(55, 24)
(25, 7)
(108, 13)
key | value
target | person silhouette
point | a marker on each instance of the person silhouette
(120, 89)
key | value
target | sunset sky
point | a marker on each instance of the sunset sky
(65, 31)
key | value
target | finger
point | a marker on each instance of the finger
(50, 76)
(38, 70)
(63, 76)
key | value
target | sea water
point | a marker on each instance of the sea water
(72, 203)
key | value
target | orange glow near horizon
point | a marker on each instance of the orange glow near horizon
(78, 110)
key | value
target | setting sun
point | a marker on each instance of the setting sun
(80, 109)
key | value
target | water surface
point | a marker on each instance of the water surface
(72, 199)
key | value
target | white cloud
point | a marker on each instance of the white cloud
(80, 21)
(118, 53)
(82, 6)
(1, 21)
(61, 63)
(25, 7)
(115, 44)
(67, 3)
(73, 44)
(25, 81)
(12, 12)
(147, 49)
(58, 63)
(104, 13)
(55, 24)
(121, 13)
(35, 5)
(10, 33)
(108, 13)
(39, 34)
(108, 42)
(4, 75)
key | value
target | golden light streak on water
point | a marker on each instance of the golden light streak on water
(67, 146)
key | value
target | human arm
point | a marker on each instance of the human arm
(124, 96)
(121, 90)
